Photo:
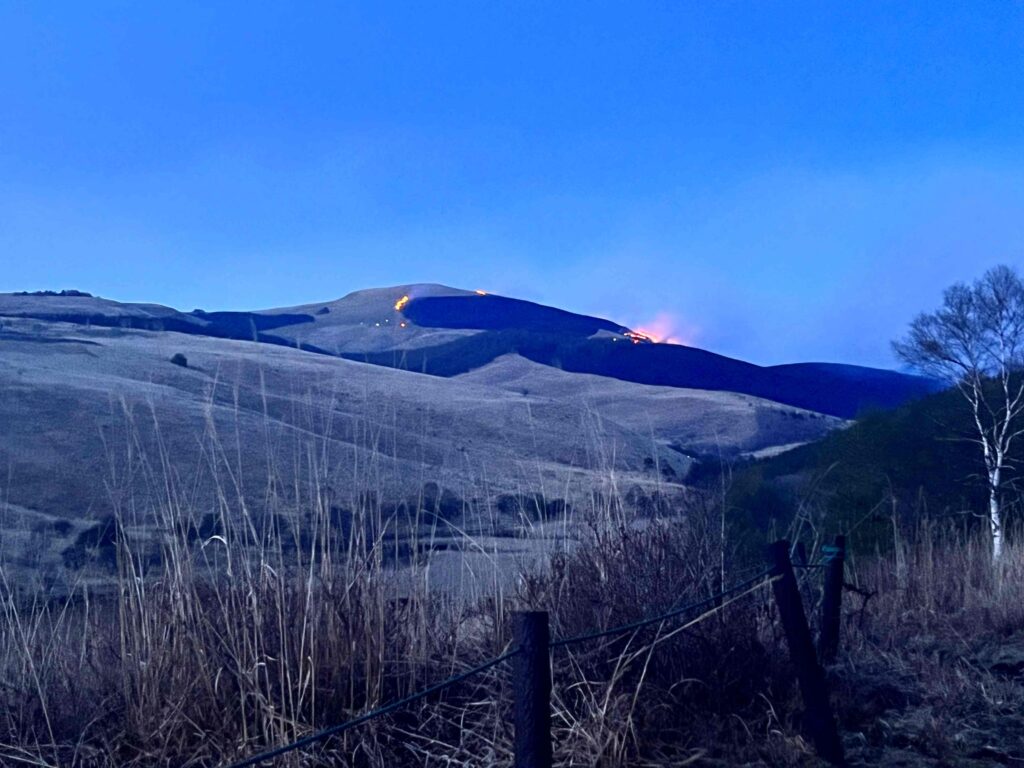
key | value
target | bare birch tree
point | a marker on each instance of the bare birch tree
(975, 341)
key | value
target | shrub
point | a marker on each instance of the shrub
(72, 293)
(180, 359)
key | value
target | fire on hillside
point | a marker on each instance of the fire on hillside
(638, 338)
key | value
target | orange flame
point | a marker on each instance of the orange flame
(638, 337)
(401, 303)
(665, 328)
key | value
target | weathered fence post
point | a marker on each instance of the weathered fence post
(832, 601)
(532, 690)
(818, 719)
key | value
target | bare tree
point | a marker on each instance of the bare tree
(975, 341)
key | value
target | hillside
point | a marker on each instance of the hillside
(483, 328)
(276, 414)
(98, 420)
(204, 470)
(696, 421)
(445, 332)
(889, 468)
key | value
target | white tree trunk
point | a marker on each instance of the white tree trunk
(995, 517)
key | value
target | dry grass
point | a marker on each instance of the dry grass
(241, 617)
(932, 665)
(252, 616)
(183, 670)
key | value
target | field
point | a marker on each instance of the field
(533, 385)
(214, 547)
(214, 638)
(99, 423)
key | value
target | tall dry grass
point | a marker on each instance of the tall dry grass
(247, 608)
(240, 616)
(261, 589)
(933, 659)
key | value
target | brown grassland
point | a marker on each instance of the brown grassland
(252, 636)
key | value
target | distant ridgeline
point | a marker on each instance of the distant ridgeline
(78, 294)
(565, 340)
(498, 313)
(546, 335)
(241, 326)
(251, 326)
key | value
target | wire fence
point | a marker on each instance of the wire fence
(387, 709)
(718, 601)
(636, 625)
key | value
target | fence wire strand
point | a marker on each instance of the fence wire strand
(334, 730)
(703, 617)
(633, 626)
(387, 709)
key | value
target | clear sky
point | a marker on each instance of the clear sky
(778, 181)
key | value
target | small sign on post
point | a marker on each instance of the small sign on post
(818, 719)
(532, 690)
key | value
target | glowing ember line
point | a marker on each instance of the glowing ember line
(481, 293)
(401, 303)
(638, 338)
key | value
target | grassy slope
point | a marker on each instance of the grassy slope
(182, 667)
(99, 420)
(446, 332)
(901, 465)
(697, 421)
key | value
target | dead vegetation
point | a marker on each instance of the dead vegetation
(247, 632)
(181, 669)
(933, 671)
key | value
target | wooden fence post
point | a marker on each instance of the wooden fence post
(532, 690)
(832, 601)
(818, 719)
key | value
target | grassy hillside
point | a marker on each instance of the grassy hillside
(445, 332)
(292, 539)
(101, 421)
(898, 466)
(842, 391)
(693, 421)
(201, 665)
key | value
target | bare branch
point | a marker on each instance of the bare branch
(975, 341)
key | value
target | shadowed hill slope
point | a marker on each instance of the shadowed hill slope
(445, 332)
(695, 421)
(497, 313)
(881, 476)
(842, 391)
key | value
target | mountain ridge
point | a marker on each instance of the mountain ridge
(444, 331)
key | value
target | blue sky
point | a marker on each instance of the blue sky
(778, 181)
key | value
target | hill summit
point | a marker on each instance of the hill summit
(444, 331)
